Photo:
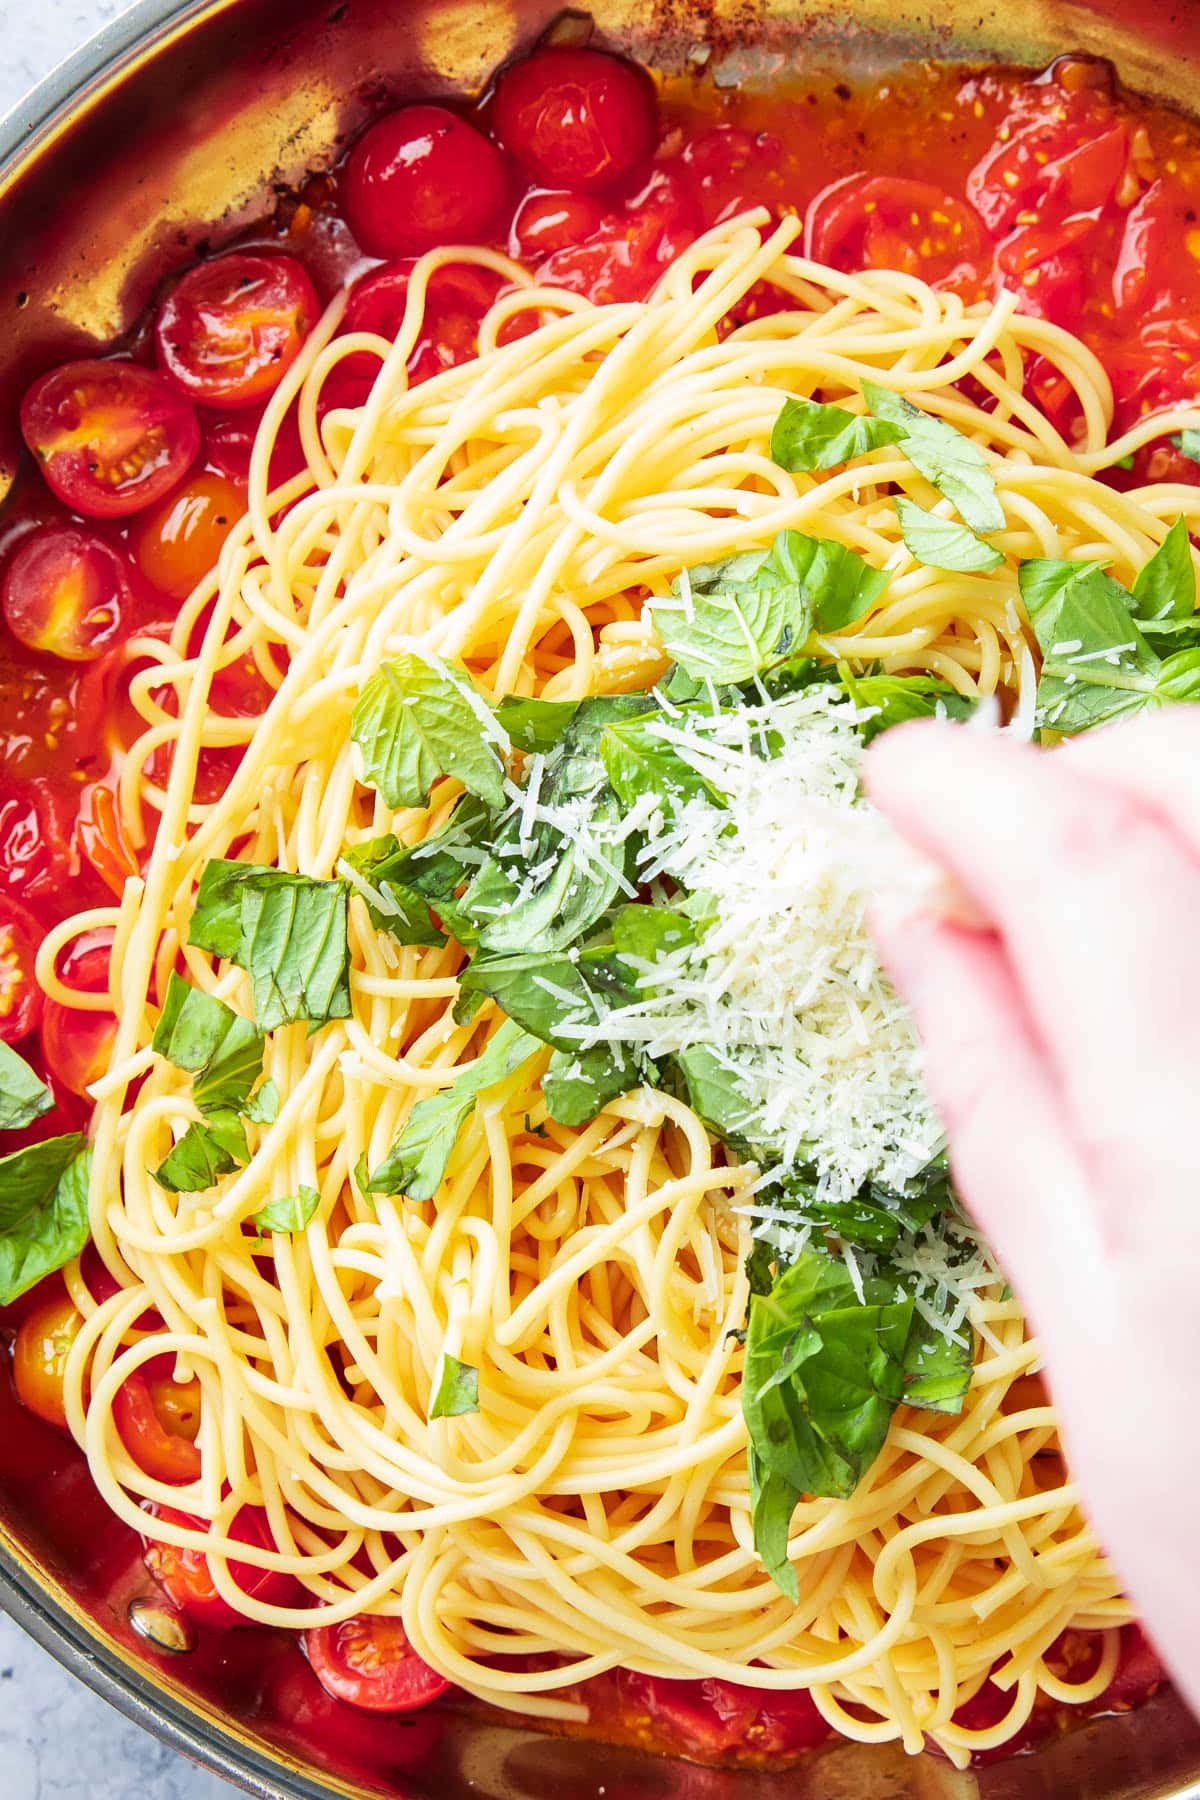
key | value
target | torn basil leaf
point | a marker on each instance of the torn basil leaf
(263, 1105)
(535, 725)
(891, 699)
(43, 1210)
(418, 719)
(416, 1162)
(457, 1390)
(944, 543)
(1188, 441)
(206, 1151)
(292, 1213)
(729, 620)
(809, 434)
(203, 1035)
(1165, 587)
(1096, 664)
(24, 1097)
(287, 931)
(954, 465)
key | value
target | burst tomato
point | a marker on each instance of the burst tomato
(40, 1353)
(229, 444)
(109, 437)
(20, 995)
(626, 256)
(77, 1044)
(887, 222)
(368, 1661)
(186, 1579)
(231, 328)
(456, 298)
(576, 118)
(422, 177)
(66, 593)
(37, 822)
(158, 1419)
(177, 542)
(546, 222)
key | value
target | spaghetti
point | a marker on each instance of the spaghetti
(516, 513)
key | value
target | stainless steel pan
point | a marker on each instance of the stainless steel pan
(164, 131)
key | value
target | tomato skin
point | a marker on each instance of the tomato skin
(576, 118)
(40, 1352)
(228, 332)
(20, 995)
(456, 298)
(148, 1419)
(186, 1579)
(626, 256)
(76, 1044)
(546, 222)
(368, 1661)
(731, 169)
(177, 542)
(109, 437)
(711, 1717)
(66, 593)
(421, 177)
(1140, 1673)
(889, 222)
(229, 442)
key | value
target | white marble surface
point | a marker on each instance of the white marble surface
(57, 1740)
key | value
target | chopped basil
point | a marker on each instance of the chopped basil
(811, 435)
(943, 543)
(888, 700)
(417, 719)
(1165, 587)
(535, 725)
(289, 1214)
(200, 1033)
(417, 1161)
(204, 1153)
(956, 467)
(457, 1390)
(23, 1096)
(1188, 441)
(43, 1210)
(263, 1104)
(287, 931)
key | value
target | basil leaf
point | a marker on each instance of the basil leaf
(1179, 676)
(891, 699)
(417, 1161)
(23, 1097)
(650, 932)
(1188, 440)
(640, 761)
(555, 996)
(731, 620)
(579, 1083)
(840, 585)
(198, 1032)
(772, 1503)
(1165, 587)
(43, 1210)
(715, 1094)
(263, 1104)
(811, 435)
(954, 465)
(536, 725)
(289, 1214)
(203, 1154)
(457, 1390)
(393, 907)
(1096, 665)
(414, 722)
(287, 931)
(943, 543)
(937, 1372)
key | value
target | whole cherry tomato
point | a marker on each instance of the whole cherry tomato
(40, 1353)
(576, 118)
(177, 542)
(422, 177)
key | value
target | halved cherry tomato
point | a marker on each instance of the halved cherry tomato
(576, 118)
(456, 298)
(231, 328)
(634, 244)
(421, 177)
(178, 541)
(368, 1661)
(730, 169)
(158, 1420)
(546, 222)
(65, 592)
(186, 1579)
(77, 1044)
(889, 222)
(40, 1354)
(37, 820)
(20, 995)
(109, 437)
(229, 441)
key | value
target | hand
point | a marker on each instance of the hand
(1062, 1037)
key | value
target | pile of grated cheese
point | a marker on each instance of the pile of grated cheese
(786, 986)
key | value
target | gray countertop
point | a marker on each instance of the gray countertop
(57, 1740)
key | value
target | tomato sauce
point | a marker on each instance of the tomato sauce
(1080, 198)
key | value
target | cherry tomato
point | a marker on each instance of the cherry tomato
(229, 441)
(101, 836)
(231, 328)
(77, 1044)
(37, 820)
(157, 1419)
(626, 256)
(711, 1717)
(186, 1579)
(1057, 155)
(177, 542)
(1155, 366)
(888, 222)
(731, 169)
(422, 177)
(456, 298)
(20, 995)
(547, 222)
(576, 118)
(40, 1358)
(65, 592)
(368, 1661)
(109, 437)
